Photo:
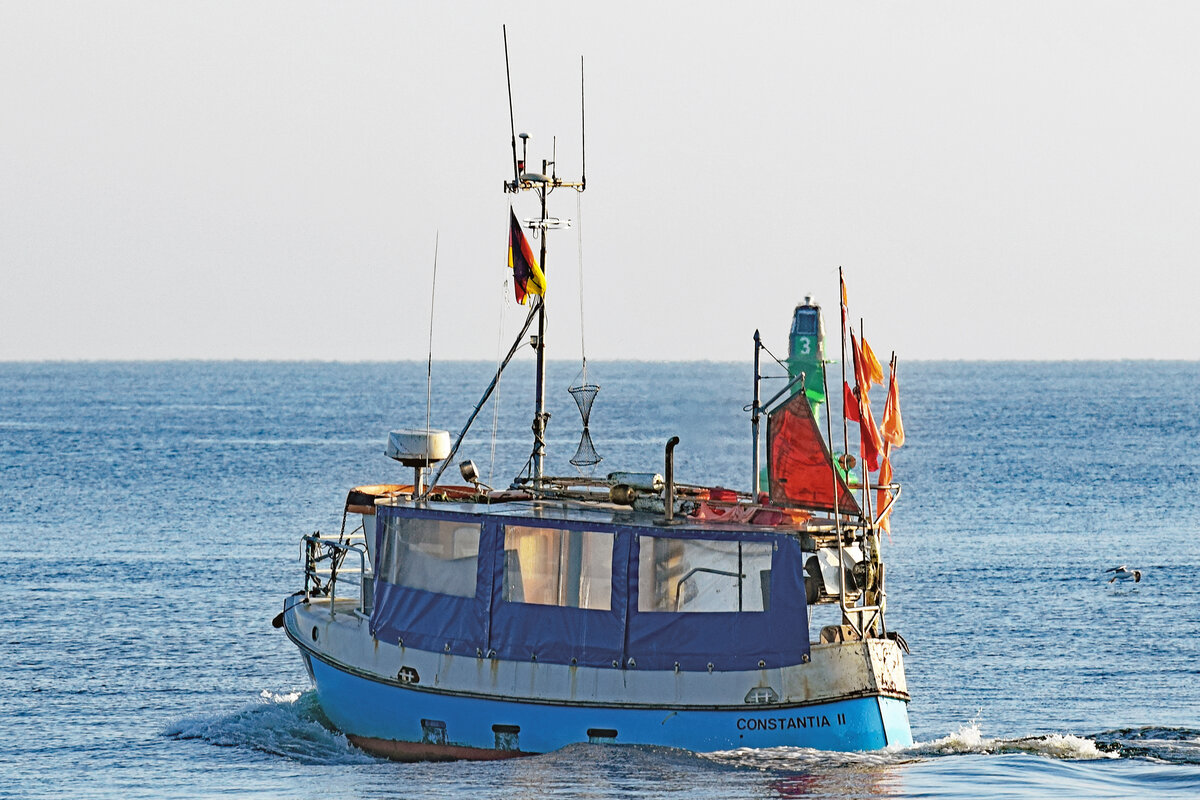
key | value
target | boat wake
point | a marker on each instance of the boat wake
(966, 740)
(289, 724)
(1165, 745)
(969, 739)
(1168, 745)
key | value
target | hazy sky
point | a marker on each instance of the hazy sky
(265, 180)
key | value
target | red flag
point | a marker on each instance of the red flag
(800, 467)
(527, 277)
(849, 402)
(893, 425)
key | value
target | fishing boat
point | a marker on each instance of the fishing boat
(457, 621)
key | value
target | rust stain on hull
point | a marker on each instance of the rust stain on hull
(423, 751)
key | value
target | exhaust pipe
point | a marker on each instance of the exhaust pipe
(670, 470)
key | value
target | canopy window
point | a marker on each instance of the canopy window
(431, 555)
(629, 597)
(558, 567)
(703, 575)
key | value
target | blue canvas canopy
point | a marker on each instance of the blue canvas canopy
(590, 593)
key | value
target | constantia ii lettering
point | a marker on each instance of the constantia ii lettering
(787, 723)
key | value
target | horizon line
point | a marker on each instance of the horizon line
(984, 360)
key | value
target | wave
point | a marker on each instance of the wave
(1169, 745)
(290, 725)
(968, 739)
(1165, 745)
(1173, 745)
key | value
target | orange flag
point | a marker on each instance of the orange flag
(860, 373)
(844, 308)
(872, 369)
(869, 438)
(868, 432)
(883, 496)
(893, 425)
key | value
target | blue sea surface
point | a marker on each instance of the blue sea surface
(151, 515)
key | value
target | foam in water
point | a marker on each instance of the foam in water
(288, 724)
(1169, 745)
(969, 739)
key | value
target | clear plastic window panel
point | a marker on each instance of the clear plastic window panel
(557, 567)
(431, 555)
(703, 575)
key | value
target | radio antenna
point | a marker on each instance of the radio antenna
(582, 128)
(429, 364)
(512, 125)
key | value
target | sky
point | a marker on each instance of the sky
(267, 180)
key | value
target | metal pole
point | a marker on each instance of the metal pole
(669, 497)
(871, 531)
(754, 415)
(845, 424)
(539, 418)
(837, 515)
(866, 471)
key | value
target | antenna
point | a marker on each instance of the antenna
(582, 129)
(429, 364)
(542, 184)
(512, 125)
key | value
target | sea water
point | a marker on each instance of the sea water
(151, 515)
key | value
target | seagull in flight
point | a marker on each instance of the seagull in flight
(1124, 573)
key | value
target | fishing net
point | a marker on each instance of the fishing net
(584, 395)
(585, 454)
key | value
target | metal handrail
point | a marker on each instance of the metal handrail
(318, 549)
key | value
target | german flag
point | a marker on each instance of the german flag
(527, 277)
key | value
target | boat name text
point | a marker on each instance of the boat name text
(787, 723)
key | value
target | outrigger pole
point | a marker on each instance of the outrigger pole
(479, 406)
(755, 411)
(845, 425)
(543, 184)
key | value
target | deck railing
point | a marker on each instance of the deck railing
(325, 572)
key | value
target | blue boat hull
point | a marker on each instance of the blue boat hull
(408, 723)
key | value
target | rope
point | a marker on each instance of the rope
(496, 401)
(772, 355)
(479, 406)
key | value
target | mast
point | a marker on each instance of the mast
(543, 183)
(540, 417)
(755, 412)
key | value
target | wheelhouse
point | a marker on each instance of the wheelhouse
(552, 583)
